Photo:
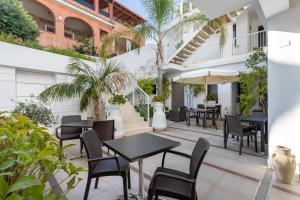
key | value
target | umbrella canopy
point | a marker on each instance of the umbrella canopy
(207, 76)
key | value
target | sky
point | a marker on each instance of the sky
(135, 5)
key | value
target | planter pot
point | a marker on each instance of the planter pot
(284, 164)
(159, 121)
(114, 113)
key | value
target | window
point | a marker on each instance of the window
(262, 37)
(49, 28)
(69, 34)
(234, 34)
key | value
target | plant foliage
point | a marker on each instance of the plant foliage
(9, 38)
(117, 99)
(89, 84)
(36, 111)
(15, 20)
(158, 99)
(146, 85)
(254, 87)
(29, 156)
(85, 46)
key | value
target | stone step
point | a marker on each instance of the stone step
(135, 124)
(138, 130)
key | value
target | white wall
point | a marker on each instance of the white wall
(7, 88)
(283, 80)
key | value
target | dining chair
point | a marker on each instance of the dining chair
(105, 130)
(191, 113)
(69, 133)
(99, 166)
(235, 128)
(176, 184)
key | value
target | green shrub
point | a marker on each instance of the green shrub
(158, 99)
(147, 85)
(9, 38)
(117, 99)
(29, 156)
(254, 84)
(212, 97)
(15, 20)
(36, 111)
(85, 46)
(69, 52)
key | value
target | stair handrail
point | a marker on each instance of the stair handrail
(137, 96)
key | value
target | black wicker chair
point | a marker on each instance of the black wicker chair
(235, 128)
(191, 113)
(69, 133)
(99, 166)
(178, 115)
(105, 130)
(176, 184)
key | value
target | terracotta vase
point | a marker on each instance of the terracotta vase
(284, 164)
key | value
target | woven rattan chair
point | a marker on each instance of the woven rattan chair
(176, 184)
(99, 166)
(235, 128)
(105, 130)
(69, 133)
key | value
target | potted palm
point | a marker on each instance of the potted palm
(89, 84)
(159, 121)
(115, 114)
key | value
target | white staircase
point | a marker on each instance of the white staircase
(199, 37)
(132, 121)
(136, 112)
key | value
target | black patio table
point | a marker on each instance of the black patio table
(85, 124)
(138, 147)
(262, 122)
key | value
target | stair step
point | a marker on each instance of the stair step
(190, 48)
(199, 39)
(194, 44)
(204, 35)
(135, 125)
(185, 51)
(207, 30)
(182, 55)
(136, 131)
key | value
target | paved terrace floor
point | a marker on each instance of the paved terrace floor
(224, 175)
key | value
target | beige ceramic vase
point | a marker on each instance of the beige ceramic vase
(284, 164)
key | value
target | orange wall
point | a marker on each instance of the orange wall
(60, 13)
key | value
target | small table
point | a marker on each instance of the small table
(85, 124)
(205, 111)
(138, 147)
(262, 122)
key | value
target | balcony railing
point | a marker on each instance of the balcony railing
(104, 13)
(237, 46)
(87, 4)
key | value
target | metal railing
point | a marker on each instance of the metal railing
(247, 43)
(138, 98)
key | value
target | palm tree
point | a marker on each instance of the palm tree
(160, 13)
(88, 84)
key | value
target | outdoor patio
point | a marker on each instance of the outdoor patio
(224, 174)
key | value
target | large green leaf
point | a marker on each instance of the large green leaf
(14, 196)
(7, 164)
(3, 187)
(22, 183)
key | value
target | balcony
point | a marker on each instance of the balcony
(86, 4)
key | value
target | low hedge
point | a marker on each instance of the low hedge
(8, 38)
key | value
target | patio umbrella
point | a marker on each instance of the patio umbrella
(207, 76)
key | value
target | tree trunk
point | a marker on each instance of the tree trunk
(159, 63)
(97, 110)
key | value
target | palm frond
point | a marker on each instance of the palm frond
(86, 99)
(61, 91)
(159, 12)
(194, 19)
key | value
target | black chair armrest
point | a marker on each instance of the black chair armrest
(56, 131)
(105, 158)
(176, 153)
(188, 180)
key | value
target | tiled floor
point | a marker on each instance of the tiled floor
(224, 175)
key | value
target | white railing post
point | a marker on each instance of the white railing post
(133, 97)
(148, 108)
